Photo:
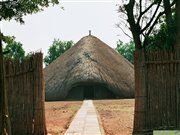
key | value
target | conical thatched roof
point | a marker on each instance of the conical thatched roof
(89, 61)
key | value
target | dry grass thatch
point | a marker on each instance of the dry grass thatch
(89, 61)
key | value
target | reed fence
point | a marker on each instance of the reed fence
(157, 91)
(25, 95)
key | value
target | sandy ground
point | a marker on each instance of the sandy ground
(116, 116)
(59, 115)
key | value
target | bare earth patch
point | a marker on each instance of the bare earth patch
(59, 115)
(116, 116)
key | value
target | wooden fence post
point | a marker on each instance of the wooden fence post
(5, 127)
(178, 96)
(1, 88)
(177, 48)
(178, 85)
(140, 94)
(39, 98)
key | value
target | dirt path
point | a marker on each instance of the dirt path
(86, 121)
(116, 115)
(59, 115)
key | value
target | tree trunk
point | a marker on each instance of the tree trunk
(168, 13)
(5, 127)
(135, 28)
(178, 24)
(169, 21)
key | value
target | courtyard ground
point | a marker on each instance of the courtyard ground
(116, 116)
(59, 115)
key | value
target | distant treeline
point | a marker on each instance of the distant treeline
(157, 41)
(15, 50)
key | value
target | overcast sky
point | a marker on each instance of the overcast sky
(72, 23)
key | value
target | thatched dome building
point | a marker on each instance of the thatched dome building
(90, 69)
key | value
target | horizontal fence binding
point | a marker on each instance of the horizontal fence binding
(19, 73)
(163, 62)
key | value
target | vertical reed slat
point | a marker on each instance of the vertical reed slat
(162, 87)
(26, 93)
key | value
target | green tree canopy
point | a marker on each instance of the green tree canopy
(162, 39)
(56, 49)
(144, 18)
(16, 9)
(126, 50)
(13, 49)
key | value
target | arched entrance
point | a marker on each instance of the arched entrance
(90, 91)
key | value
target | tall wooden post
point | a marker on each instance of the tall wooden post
(178, 87)
(39, 98)
(177, 49)
(140, 119)
(1, 88)
(5, 127)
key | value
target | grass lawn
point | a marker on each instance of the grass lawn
(116, 115)
(59, 115)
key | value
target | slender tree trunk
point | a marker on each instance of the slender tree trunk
(178, 24)
(135, 28)
(168, 13)
(5, 128)
(169, 22)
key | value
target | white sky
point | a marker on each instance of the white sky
(73, 23)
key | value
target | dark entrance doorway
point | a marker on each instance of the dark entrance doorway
(88, 92)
